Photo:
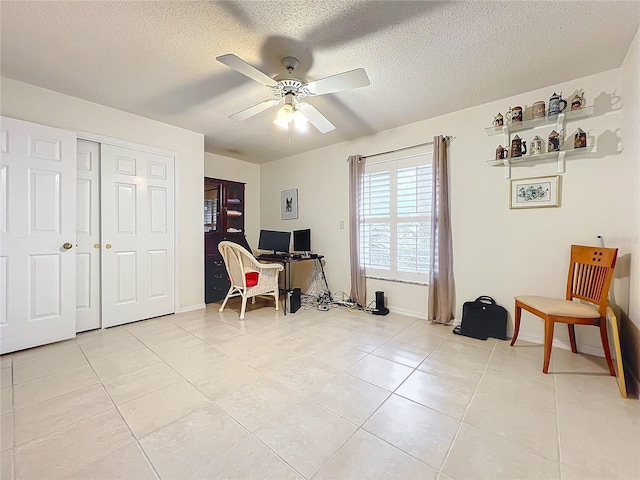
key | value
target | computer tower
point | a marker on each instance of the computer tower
(294, 300)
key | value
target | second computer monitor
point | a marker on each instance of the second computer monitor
(302, 240)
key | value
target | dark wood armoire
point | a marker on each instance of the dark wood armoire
(224, 210)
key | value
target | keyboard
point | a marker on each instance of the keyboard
(271, 255)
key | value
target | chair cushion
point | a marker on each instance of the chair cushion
(559, 307)
(251, 278)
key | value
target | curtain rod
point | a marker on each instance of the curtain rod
(405, 148)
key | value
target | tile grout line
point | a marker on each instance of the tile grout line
(473, 395)
(135, 438)
(555, 397)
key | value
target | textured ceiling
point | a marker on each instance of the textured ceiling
(157, 59)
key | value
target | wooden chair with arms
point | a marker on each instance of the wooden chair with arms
(248, 277)
(589, 279)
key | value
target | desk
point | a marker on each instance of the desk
(287, 261)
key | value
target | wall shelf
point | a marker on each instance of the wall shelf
(541, 156)
(532, 159)
(541, 122)
(555, 121)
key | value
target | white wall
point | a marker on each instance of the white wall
(630, 318)
(631, 135)
(38, 105)
(497, 251)
(225, 168)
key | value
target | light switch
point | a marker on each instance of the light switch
(341, 224)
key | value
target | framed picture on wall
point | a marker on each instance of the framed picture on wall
(535, 192)
(289, 204)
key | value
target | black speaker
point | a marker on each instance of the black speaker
(380, 308)
(294, 300)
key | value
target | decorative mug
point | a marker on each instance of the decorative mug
(498, 120)
(554, 142)
(538, 109)
(508, 115)
(536, 145)
(580, 139)
(500, 153)
(516, 114)
(518, 147)
(554, 104)
(577, 102)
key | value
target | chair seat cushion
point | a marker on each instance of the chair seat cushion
(559, 307)
(251, 278)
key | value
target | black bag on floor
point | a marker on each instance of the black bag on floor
(483, 318)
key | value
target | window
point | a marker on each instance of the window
(396, 212)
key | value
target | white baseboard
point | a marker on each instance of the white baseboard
(588, 349)
(408, 313)
(192, 308)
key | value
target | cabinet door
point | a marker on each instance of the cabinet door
(212, 206)
(234, 207)
(216, 281)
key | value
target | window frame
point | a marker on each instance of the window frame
(394, 164)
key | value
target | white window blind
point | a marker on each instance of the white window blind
(396, 209)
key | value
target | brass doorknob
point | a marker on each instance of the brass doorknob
(96, 245)
(67, 246)
(108, 245)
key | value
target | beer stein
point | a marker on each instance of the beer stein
(538, 109)
(516, 114)
(554, 142)
(577, 102)
(580, 139)
(554, 104)
(536, 145)
(518, 147)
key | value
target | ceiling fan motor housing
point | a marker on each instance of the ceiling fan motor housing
(290, 86)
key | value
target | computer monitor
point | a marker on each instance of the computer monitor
(274, 241)
(302, 240)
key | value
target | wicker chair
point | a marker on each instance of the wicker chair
(248, 277)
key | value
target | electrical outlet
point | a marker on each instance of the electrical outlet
(341, 224)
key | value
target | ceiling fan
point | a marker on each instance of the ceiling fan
(290, 91)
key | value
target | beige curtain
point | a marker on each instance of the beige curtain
(441, 296)
(358, 284)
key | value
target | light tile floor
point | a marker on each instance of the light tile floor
(313, 395)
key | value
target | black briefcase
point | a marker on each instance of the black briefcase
(483, 318)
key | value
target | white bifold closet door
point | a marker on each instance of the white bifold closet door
(88, 237)
(137, 230)
(37, 234)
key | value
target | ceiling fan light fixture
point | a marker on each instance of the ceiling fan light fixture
(284, 116)
(300, 120)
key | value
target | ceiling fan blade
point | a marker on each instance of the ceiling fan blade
(244, 68)
(255, 109)
(316, 118)
(339, 82)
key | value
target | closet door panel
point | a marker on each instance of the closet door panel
(37, 234)
(138, 235)
(88, 236)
